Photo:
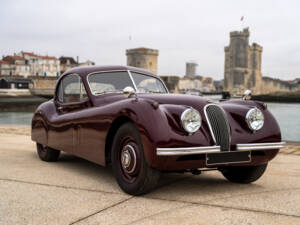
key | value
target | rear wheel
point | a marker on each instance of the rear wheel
(130, 168)
(243, 174)
(46, 153)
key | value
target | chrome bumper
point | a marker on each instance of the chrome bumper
(216, 149)
(260, 146)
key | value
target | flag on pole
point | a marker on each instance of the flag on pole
(242, 18)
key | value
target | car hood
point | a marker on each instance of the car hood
(174, 104)
(178, 99)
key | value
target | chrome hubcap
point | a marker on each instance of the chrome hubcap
(128, 158)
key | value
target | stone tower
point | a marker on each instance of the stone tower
(242, 64)
(190, 69)
(145, 58)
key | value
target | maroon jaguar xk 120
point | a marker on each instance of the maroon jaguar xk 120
(125, 117)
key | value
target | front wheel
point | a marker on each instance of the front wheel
(243, 174)
(130, 168)
(46, 153)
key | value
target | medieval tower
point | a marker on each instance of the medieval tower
(190, 69)
(145, 58)
(242, 64)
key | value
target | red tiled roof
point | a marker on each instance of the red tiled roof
(16, 57)
(30, 54)
(4, 62)
(47, 57)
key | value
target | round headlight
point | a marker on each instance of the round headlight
(191, 120)
(255, 119)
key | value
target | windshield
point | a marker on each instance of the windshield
(116, 81)
(109, 82)
(147, 84)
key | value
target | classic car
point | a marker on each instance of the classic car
(125, 117)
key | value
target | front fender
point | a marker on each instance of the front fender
(39, 127)
(161, 127)
(240, 132)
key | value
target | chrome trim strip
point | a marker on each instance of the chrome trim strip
(208, 122)
(209, 125)
(187, 150)
(131, 78)
(154, 76)
(217, 149)
(260, 146)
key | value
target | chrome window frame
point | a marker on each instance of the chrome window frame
(130, 77)
(58, 86)
(154, 76)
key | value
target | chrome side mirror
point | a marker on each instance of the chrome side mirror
(247, 95)
(128, 91)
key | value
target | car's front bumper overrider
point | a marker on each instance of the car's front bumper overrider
(216, 149)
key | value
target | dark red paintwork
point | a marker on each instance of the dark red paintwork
(87, 129)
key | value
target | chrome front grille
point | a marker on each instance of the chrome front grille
(218, 125)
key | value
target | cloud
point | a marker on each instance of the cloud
(182, 31)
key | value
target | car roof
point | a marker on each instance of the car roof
(85, 70)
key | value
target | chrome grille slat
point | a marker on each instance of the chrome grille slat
(218, 125)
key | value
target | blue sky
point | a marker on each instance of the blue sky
(181, 31)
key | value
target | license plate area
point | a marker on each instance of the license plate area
(227, 157)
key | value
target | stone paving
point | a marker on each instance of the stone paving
(75, 191)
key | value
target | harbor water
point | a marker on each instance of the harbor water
(287, 115)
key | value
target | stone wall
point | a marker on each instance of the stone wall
(144, 58)
(271, 86)
(43, 82)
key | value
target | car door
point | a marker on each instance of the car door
(70, 100)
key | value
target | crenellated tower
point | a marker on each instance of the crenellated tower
(242, 64)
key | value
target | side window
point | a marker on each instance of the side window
(71, 89)
(147, 84)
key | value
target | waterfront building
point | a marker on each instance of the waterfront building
(14, 83)
(67, 63)
(14, 65)
(171, 83)
(87, 63)
(198, 83)
(177, 84)
(42, 65)
(50, 66)
(5, 68)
